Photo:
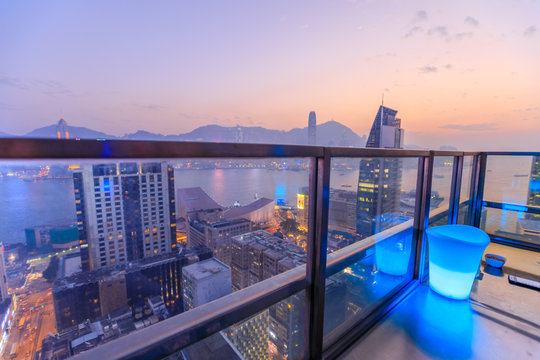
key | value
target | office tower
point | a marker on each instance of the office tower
(205, 281)
(3, 276)
(379, 180)
(125, 211)
(386, 131)
(62, 129)
(312, 129)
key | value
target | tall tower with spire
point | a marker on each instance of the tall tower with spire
(379, 180)
(312, 128)
(62, 129)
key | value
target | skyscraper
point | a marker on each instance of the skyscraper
(379, 180)
(62, 129)
(125, 211)
(533, 196)
(312, 129)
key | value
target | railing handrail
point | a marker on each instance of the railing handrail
(23, 148)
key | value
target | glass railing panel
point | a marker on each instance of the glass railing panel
(465, 191)
(514, 222)
(111, 246)
(274, 333)
(370, 246)
(512, 179)
(513, 184)
(440, 190)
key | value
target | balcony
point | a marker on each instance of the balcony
(357, 287)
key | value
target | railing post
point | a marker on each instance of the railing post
(316, 256)
(478, 188)
(455, 190)
(421, 213)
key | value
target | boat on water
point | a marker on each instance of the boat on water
(521, 175)
(437, 176)
(346, 185)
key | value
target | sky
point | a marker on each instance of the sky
(460, 73)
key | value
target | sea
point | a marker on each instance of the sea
(25, 204)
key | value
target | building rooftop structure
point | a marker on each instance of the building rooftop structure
(195, 199)
(205, 269)
(244, 211)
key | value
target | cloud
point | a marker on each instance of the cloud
(471, 127)
(419, 16)
(152, 107)
(12, 82)
(412, 32)
(305, 26)
(469, 20)
(441, 31)
(46, 87)
(463, 35)
(428, 69)
(530, 31)
(448, 66)
(51, 87)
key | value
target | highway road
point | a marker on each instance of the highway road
(35, 306)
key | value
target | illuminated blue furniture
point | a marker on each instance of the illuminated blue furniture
(455, 252)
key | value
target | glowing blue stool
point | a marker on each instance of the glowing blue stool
(455, 252)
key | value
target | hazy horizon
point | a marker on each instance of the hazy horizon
(459, 73)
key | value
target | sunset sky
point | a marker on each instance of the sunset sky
(459, 73)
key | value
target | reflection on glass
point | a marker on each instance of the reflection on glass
(379, 213)
(508, 179)
(465, 192)
(440, 190)
(274, 333)
(519, 187)
(113, 246)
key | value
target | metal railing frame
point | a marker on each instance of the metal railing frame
(179, 331)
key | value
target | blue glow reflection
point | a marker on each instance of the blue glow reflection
(440, 326)
(393, 254)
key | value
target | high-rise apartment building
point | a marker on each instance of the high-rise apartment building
(312, 128)
(3, 276)
(379, 180)
(125, 211)
(205, 281)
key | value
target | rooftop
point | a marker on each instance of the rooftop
(204, 269)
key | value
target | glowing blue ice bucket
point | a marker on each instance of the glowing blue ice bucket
(455, 252)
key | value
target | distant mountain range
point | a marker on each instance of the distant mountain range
(331, 133)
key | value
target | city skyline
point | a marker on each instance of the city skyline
(460, 75)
